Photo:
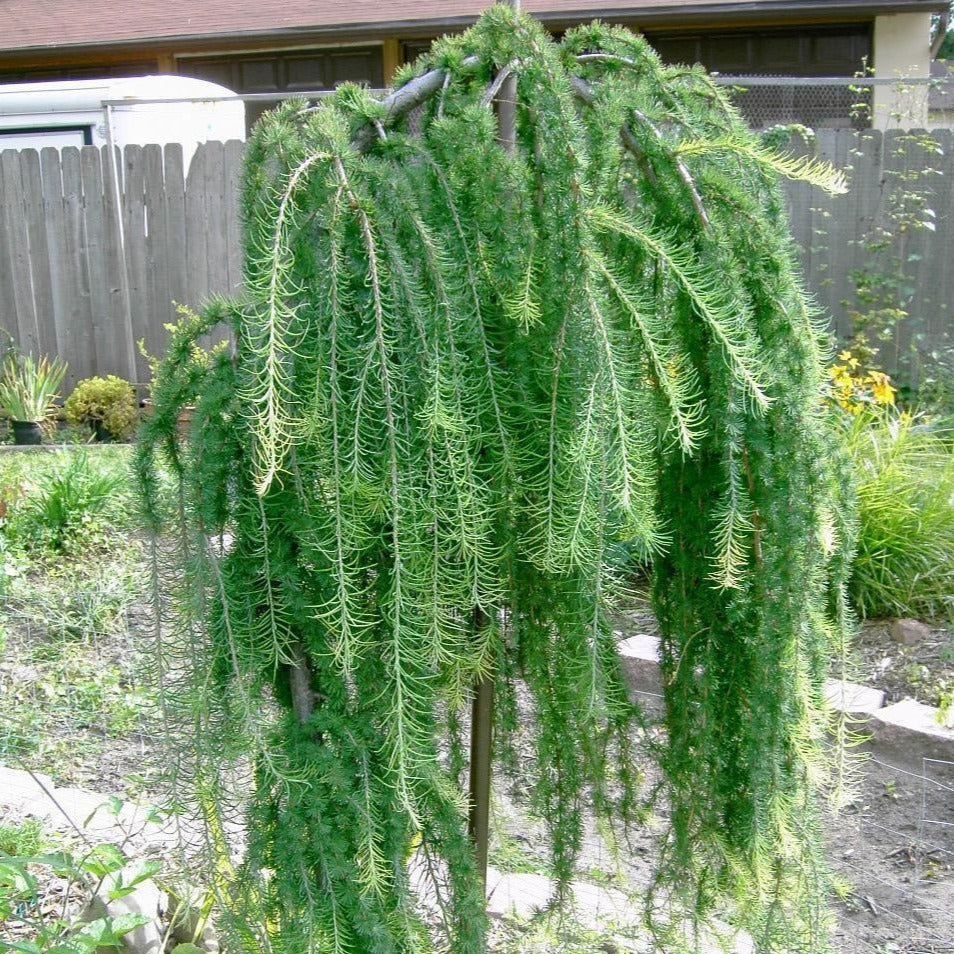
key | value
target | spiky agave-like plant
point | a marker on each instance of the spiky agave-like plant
(460, 374)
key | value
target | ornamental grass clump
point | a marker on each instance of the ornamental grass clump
(904, 467)
(29, 386)
(461, 374)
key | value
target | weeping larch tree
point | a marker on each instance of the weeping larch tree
(461, 372)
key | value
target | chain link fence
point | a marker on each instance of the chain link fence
(835, 102)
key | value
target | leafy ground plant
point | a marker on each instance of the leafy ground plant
(45, 890)
(904, 466)
(67, 503)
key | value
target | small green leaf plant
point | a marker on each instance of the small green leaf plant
(461, 375)
(66, 506)
(92, 870)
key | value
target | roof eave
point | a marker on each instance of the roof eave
(674, 14)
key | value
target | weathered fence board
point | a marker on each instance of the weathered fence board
(57, 248)
(88, 281)
(234, 151)
(179, 291)
(25, 323)
(942, 321)
(157, 309)
(135, 241)
(35, 228)
(197, 223)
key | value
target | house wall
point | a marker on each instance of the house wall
(897, 44)
(902, 49)
(287, 72)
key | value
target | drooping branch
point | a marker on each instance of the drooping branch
(681, 170)
(419, 90)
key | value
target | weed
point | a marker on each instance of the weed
(548, 932)
(67, 600)
(945, 704)
(513, 855)
(64, 501)
(21, 838)
(42, 896)
(69, 504)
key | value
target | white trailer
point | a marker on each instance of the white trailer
(139, 110)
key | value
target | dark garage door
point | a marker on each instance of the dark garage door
(288, 71)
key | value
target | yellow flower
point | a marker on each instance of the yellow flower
(881, 389)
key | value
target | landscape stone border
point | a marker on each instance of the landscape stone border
(83, 816)
(509, 894)
(50, 448)
(908, 731)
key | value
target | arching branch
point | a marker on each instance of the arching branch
(405, 99)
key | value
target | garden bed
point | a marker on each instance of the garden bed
(892, 845)
(75, 677)
(923, 671)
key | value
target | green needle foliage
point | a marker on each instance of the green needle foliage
(458, 378)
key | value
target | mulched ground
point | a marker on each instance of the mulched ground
(923, 671)
(893, 845)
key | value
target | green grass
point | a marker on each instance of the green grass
(72, 676)
(73, 682)
(57, 502)
(904, 468)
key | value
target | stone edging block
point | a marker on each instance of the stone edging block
(909, 726)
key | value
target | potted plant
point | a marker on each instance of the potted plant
(27, 391)
(106, 405)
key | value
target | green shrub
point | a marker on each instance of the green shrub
(108, 403)
(905, 474)
(21, 838)
(50, 918)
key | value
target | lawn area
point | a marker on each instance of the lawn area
(77, 690)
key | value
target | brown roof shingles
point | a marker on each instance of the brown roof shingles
(50, 24)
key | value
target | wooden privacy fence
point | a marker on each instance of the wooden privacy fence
(89, 268)
(896, 178)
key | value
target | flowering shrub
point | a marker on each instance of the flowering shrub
(855, 385)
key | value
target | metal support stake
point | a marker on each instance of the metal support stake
(482, 712)
(481, 762)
